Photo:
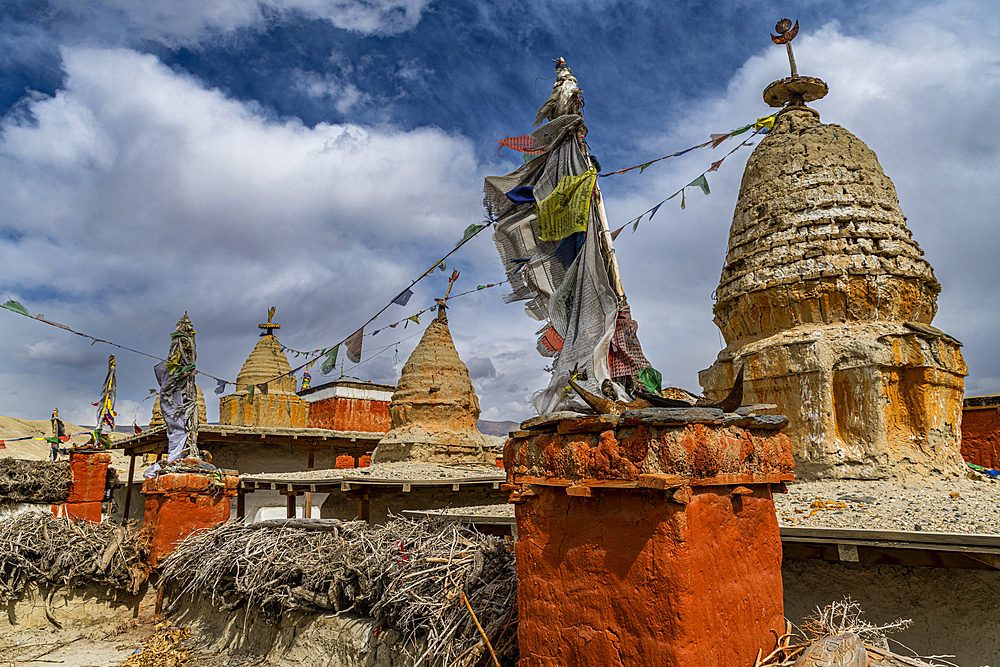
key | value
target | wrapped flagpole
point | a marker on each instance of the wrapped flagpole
(179, 394)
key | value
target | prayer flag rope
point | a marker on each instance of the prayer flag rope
(714, 140)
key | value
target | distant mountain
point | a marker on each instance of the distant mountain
(487, 427)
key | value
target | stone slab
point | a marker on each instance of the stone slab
(671, 416)
(550, 420)
(769, 422)
(593, 424)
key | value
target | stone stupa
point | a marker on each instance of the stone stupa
(435, 410)
(827, 301)
(280, 406)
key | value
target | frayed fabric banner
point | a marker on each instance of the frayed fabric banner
(354, 345)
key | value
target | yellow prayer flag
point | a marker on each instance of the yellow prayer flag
(766, 121)
(566, 210)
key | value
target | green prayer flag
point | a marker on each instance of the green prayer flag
(700, 182)
(16, 307)
(643, 167)
(330, 362)
(741, 130)
(470, 231)
(250, 388)
(652, 379)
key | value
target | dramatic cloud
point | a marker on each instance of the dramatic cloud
(188, 21)
(137, 191)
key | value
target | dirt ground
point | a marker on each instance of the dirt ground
(142, 642)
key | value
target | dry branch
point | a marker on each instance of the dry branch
(409, 575)
(29, 481)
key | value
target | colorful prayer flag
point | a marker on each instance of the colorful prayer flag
(566, 210)
(700, 182)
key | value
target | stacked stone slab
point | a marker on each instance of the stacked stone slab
(827, 300)
(434, 409)
(280, 406)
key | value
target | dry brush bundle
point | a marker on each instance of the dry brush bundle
(444, 586)
(839, 634)
(29, 481)
(54, 552)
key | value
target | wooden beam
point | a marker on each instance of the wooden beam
(364, 508)
(291, 506)
(128, 489)
(309, 496)
(241, 504)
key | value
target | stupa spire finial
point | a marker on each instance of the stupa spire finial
(796, 90)
(269, 326)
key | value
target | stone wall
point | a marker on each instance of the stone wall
(275, 410)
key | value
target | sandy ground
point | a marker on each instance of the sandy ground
(132, 643)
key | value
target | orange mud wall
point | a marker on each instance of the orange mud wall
(631, 578)
(86, 490)
(981, 436)
(178, 504)
(350, 414)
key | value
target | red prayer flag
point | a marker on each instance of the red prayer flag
(614, 234)
(716, 165)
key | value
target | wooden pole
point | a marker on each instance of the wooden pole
(128, 488)
(609, 249)
(309, 496)
(291, 506)
(364, 508)
(241, 503)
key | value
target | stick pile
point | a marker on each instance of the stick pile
(447, 588)
(40, 548)
(29, 481)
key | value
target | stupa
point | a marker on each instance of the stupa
(827, 301)
(434, 409)
(278, 405)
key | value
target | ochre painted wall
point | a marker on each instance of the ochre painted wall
(981, 437)
(350, 414)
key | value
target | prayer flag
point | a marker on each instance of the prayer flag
(136, 428)
(250, 390)
(655, 209)
(566, 210)
(614, 234)
(719, 138)
(470, 231)
(765, 122)
(354, 345)
(700, 182)
(403, 298)
(329, 363)
(15, 307)
(683, 201)
(262, 387)
(715, 165)
(635, 226)
(376, 331)
(220, 386)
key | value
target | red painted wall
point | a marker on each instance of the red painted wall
(981, 437)
(631, 578)
(178, 504)
(350, 414)
(86, 490)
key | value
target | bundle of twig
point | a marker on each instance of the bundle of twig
(40, 548)
(445, 587)
(29, 481)
(835, 630)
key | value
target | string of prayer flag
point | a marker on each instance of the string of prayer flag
(354, 345)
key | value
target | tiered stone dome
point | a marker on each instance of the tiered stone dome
(265, 363)
(826, 300)
(435, 410)
(816, 221)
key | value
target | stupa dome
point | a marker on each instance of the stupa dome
(818, 238)
(267, 362)
(435, 410)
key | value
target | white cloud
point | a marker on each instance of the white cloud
(177, 22)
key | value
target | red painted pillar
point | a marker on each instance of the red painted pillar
(649, 539)
(177, 504)
(89, 472)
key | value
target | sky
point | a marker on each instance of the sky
(219, 157)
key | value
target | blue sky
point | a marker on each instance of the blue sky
(223, 156)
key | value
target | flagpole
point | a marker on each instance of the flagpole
(608, 248)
